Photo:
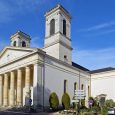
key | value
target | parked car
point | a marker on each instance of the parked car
(111, 111)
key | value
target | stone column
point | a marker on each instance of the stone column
(19, 87)
(12, 89)
(5, 100)
(35, 84)
(27, 80)
(38, 84)
(1, 90)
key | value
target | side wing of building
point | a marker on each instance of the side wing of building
(103, 82)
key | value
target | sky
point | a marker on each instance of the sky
(92, 27)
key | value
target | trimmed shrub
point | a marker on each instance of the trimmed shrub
(54, 101)
(75, 105)
(82, 102)
(66, 101)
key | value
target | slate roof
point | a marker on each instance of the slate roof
(79, 66)
(102, 70)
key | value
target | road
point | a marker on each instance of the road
(18, 113)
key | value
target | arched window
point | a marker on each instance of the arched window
(75, 86)
(82, 87)
(88, 91)
(23, 44)
(65, 86)
(64, 27)
(52, 26)
(14, 44)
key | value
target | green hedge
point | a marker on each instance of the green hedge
(66, 101)
(53, 101)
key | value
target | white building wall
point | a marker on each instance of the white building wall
(55, 74)
(103, 83)
(66, 52)
(53, 50)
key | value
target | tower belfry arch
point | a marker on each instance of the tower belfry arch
(57, 34)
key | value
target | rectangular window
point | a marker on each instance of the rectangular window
(65, 86)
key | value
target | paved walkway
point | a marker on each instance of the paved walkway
(20, 113)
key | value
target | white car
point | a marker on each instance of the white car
(111, 111)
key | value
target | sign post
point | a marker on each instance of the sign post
(78, 94)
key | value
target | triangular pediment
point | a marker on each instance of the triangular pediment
(11, 53)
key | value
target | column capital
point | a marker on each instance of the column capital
(39, 63)
(27, 67)
(12, 71)
(6, 74)
(19, 69)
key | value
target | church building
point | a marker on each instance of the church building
(38, 72)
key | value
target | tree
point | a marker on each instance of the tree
(110, 103)
(66, 101)
(54, 101)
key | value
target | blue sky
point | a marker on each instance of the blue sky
(92, 27)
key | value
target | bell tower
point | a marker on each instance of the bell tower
(20, 39)
(57, 34)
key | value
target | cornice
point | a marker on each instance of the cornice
(58, 7)
(23, 57)
(58, 33)
(58, 41)
(66, 64)
(20, 49)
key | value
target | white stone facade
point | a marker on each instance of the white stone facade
(103, 83)
(35, 72)
(47, 75)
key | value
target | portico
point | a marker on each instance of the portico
(16, 84)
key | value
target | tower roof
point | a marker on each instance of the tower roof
(20, 33)
(58, 6)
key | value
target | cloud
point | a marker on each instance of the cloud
(93, 59)
(10, 8)
(98, 27)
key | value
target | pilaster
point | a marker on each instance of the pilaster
(1, 90)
